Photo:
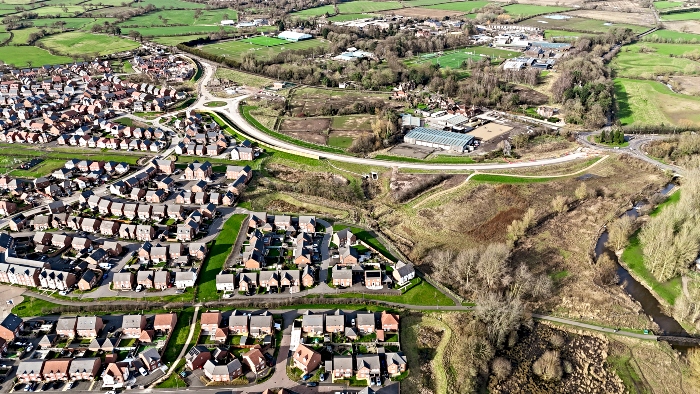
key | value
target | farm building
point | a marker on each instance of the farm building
(228, 22)
(434, 138)
(294, 36)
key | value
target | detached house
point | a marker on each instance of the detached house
(306, 359)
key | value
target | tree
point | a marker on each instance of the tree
(548, 366)
(619, 232)
(559, 204)
(606, 271)
(500, 315)
(501, 368)
(581, 191)
(492, 263)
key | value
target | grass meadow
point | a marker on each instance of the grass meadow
(462, 6)
(649, 102)
(648, 59)
(237, 48)
(24, 55)
(82, 43)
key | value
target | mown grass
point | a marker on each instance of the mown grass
(22, 56)
(83, 43)
(174, 380)
(368, 238)
(180, 333)
(423, 294)
(650, 102)
(32, 307)
(218, 254)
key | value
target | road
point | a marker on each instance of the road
(635, 148)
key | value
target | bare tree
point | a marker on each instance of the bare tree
(619, 232)
(492, 263)
(581, 191)
(559, 204)
(501, 368)
(500, 315)
(548, 367)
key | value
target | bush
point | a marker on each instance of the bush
(548, 367)
(501, 368)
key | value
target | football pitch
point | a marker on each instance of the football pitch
(455, 58)
(266, 41)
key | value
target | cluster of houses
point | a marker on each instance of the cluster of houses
(362, 366)
(202, 137)
(215, 364)
(51, 102)
(115, 136)
(176, 254)
(170, 68)
(115, 373)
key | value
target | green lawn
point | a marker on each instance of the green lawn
(368, 238)
(214, 104)
(71, 23)
(340, 141)
(44, 168)
(21, 36)
(360, 6)
(243, 78)
(633, 258)
(681, 16)
(672, 35)
(56, 11)
(175, 30)
(648, 59)
(32, 307)
(218, 254)
(421, 294)
(651, 102)
(265, 41)
(531, 10)
(352, 122)
(25, 55)
(462, 6)
(455, 58)
(179, 337)
(662, 5)
(174, 380)
(237, 48)
(172, 3)
(82, 43)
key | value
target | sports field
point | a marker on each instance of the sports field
(24, 55)
(648, 59)
(682, 16)
(662, 5)
(530, 10)
(455, 58)
(83, 43)
(265, 41)
(462, 6)
(236, 48)
(651, 102)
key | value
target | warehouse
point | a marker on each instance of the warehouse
(294, 36)
(433, 138)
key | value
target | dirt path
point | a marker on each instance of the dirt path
(442, 193)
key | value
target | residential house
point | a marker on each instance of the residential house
(123, 281)
(368, 366)
(65, 326)
(84, 368)
(312, 324)
(185, 279)
(248, 282)
(89, 326)
(145, 232)
(335, 322)
(223, 372)
(238, 323)
(306, 359)
(343, 238)
(261, 325)
(132, 325)
(30, 371)
(145, 278)
(198, 171)
(197, 357)
(342, 277)
(10, 327)
(210, 321)
(403, 273)
(161, 280)
(389, 321)
(115, 375)
(88, 280)
(56, 369)
(373, 279)
(395, 363)
(366, 323)
(255, 360)
(165, 322)
(150, 358)
(307, 224)
(342, 367)
(225, 282)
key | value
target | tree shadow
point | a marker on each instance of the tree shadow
(622, 99)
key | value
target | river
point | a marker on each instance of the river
(636, 290)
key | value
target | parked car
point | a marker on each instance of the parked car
(306, 377)
(143, 371)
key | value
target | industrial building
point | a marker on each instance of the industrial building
(441, 139)
(294, 36)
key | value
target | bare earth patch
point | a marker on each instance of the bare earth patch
(310, 130)
(636, 18)
(688, 85)
(423, 13)
(683, 26)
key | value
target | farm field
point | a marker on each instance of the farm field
(683, 16)
(72, 23)
(313, 101)
(25, 55)
(236, 48)
(174, 30)
(181, 17)
(350, 17)
(21, 36)
(650, 102)
(642, 18)
(648, 59)
(352, 7)
(80, 43)
(662, 5)
(463, 6)
(419, 3)
(243, 78)
(580, 25)
(671, 35)
(71, 10)
(172, 3)
(530, 10)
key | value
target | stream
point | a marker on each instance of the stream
(650, 305)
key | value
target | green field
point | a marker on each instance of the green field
(420, 3)
(562, 35)
(23, 56)
(175, 30)
(577, 24)
(340, 141)
(181, 17)
(455, 58)
(649, 59)
(462, 6)
(172, 3)
(236, 48)
(21, 36)
(218, 254)
(672, 35)
(71, 10)
(649, 102)
(351, 7)
(350, 17)
(243, 78)
(82, 43)
(265, 41)
(531, 10)
(352, 122)
(662, 5)
(682, 16)
(72, 23)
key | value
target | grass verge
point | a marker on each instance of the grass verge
(217, 257)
